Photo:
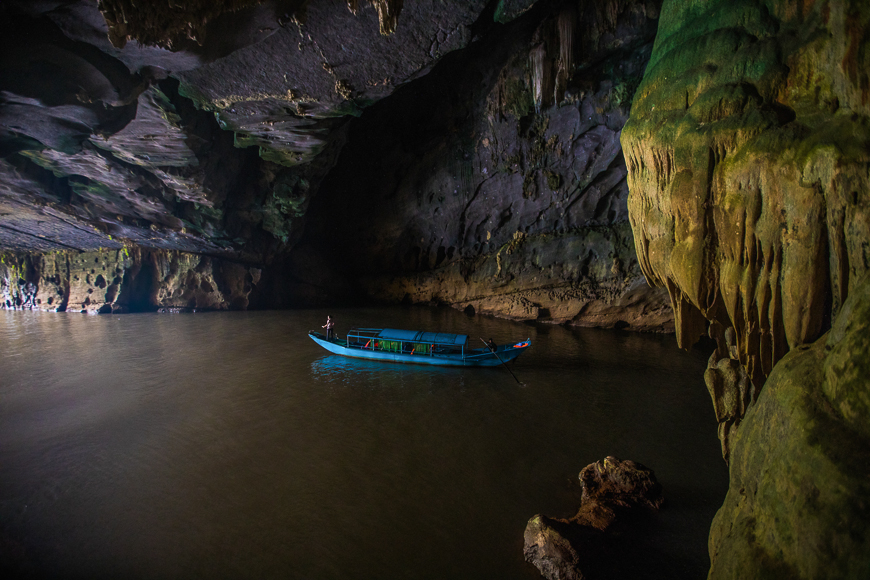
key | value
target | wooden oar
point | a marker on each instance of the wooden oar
(501, 361)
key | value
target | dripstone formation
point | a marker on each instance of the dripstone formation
(111, 281)
(748, 151)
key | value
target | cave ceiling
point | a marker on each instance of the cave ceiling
(196, 126)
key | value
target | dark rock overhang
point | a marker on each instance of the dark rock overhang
(209, 137)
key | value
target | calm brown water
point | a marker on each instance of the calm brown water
(229, 445)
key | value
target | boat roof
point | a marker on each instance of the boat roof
(421, 336)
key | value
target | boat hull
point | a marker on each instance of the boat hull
(476, 358)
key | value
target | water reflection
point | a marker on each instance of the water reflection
(354, 372)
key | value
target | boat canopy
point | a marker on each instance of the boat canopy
(442, 338)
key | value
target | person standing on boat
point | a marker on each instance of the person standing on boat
(330, 323)
(492, 346)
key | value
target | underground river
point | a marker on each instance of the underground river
(229, 445)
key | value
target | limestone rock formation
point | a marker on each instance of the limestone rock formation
(285, 93)
(549, 549)
(577, 548)
(496, 183)
(748, 150)
(797, 506)
(730, 387)
(108, 281)
(508, 10)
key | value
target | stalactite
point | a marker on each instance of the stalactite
(611, 12)
(537, 61)
(388, 14)
(162, 23)
(566, 25)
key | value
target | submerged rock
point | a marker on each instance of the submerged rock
(548, 548)
(578, 547)
(620, 483)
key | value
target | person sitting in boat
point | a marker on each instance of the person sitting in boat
(330, 323)
(492, 345)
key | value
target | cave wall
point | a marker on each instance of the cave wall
(491, 171)
(109, 281)
(497, 182)
(99, 149)
(748, 153)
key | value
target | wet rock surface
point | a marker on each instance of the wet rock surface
(586, 546)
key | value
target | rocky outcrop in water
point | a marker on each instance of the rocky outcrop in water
(496, 184)
(107, 281)
(579, 547)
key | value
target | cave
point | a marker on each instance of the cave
(692, 171)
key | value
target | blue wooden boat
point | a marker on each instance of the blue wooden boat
(418, 347)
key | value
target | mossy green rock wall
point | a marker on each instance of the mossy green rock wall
(799, 503)
(748, 152)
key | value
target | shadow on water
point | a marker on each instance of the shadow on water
(339, 371)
